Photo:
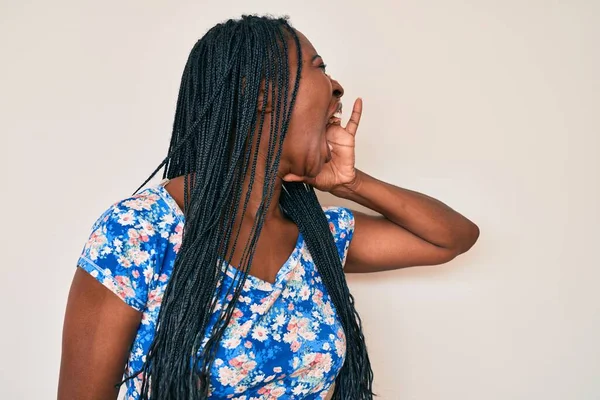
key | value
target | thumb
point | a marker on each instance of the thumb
(292, 178)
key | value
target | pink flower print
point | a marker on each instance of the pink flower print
(271, 391)
(264, 390)
(304, 292)
(176, 238)
(237, 313)
(134, 237)
(290, 337)
(124, 262)
(314, 365)
(260, 333)
(258, 308)
(243, 364)
(317, 297)
(124, 286)
(295, 346)
(138, 256)
(232, 342)
(292, 326)
(126, 218)
(306, 256)
(155, 297)
(110, 284)
(135, 273)
(245, 328)
(236, 362)
(148, 228)
(97, 239)
(298, 326)
(328, 313)
(95, 243)
(332, 227)
(143, 202)
(340, 344)
(301, 323)
(278, 392)
(229, 376)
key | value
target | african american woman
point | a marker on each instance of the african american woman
(226, 279)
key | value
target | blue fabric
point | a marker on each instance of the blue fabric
(284, 339)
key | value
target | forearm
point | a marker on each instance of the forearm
(424, 216)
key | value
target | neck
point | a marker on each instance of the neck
(256, 196)
(176, 189)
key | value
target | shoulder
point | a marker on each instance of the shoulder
(134, 230)
(148, 212)
(341, 225)
(128, 243)
(341, 219)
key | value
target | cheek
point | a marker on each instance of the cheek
(312, 104)
(302, 155)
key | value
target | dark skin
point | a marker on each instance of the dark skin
(412, 229)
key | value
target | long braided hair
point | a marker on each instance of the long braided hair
(211, 144)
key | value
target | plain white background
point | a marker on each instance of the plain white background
(489, 106)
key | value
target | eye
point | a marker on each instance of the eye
(323, 67)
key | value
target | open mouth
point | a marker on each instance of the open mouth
(336, 118)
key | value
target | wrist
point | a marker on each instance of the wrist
(350, 188)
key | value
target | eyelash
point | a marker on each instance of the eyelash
(323, 67)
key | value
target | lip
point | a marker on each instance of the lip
(337, 108)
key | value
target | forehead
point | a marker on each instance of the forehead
(308, 50)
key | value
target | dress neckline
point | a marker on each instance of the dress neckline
(231, 271)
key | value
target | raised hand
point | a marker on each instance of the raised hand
(340, 171)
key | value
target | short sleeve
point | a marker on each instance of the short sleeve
(124, 248)
(341, 225)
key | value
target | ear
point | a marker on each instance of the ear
(268, 108)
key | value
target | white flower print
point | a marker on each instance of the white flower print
(229, 376)
(284, 340)
(127, 218)
(305, 292)
(232, 342)
(260, 333)
(259, 308)
(300, 390)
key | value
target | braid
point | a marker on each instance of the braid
(214, 132)
(301, 204)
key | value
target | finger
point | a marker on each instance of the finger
(292, 178)
(352, 125)
(310, 181)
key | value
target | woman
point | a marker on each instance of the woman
(229, 275)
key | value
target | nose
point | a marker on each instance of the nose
(338, 90)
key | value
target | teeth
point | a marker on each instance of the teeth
(330, 146)
(335, 118)
(338, 114)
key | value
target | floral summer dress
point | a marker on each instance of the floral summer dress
(284, 339)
